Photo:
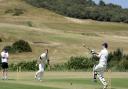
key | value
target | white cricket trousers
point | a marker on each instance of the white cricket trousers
(99, 69)
(39, 73)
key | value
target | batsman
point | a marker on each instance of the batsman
(98, 70)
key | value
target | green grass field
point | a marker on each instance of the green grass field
(62, 80)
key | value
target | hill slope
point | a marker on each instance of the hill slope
(84, 9)
(63, 36)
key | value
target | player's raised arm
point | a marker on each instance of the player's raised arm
(90, 50)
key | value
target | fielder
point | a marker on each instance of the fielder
(43, 59)
(101, 67)
(4, 60)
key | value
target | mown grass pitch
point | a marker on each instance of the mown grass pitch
(62, 80)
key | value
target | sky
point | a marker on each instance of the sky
(123, 3)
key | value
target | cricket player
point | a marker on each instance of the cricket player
(101, 67)
(43, 59)
(4, 60)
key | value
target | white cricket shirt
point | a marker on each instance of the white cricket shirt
(4, 57)
(43, 57)
(103, 56)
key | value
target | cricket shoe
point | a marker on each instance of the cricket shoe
(105, 86)
(40, 80)
(3, 78)
(35, 76)
(94, 80)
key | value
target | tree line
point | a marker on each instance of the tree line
(84, 9)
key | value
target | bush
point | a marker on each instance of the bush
(29, 23)
(10, 49)
(24, 66)
(123, 65)
(9, 11)
(21, 46)
(15, 11)
(18, 47)
(59, 67)
(118, 60)
(116, 55)
(0, 40)
(78, 63)
(18, 11)
(27, 66)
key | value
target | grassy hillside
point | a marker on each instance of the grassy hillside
(62, 35)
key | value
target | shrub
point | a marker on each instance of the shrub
(116, 55)
(9, 11)
(59, 67)
(29, 23)
(80, 63)
(0, 40)
(123, 65)
(10, 49)
(118, 60)
(15, 12)
(24, 66)
(21, 46)
(18, 11)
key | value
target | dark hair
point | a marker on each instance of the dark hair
(5, 49)
(105, 45)
(46, 50)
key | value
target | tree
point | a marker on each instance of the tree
(102, 3)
